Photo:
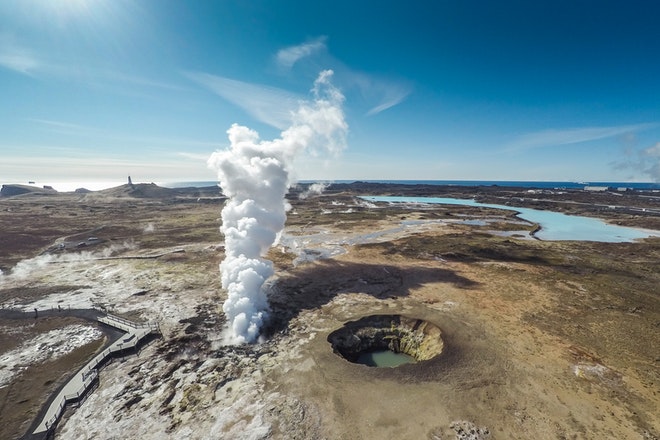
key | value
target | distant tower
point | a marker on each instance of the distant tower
(129, 181)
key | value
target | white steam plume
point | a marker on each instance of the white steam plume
(26, 268)
(255, 175)
(314, 189)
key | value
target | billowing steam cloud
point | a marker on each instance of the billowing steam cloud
(255, 175)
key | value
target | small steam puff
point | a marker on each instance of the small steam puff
(255, 175)
(26, 268)
(314, 189)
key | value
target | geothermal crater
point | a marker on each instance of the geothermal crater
(416, 338)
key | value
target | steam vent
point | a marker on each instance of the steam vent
(400, 335)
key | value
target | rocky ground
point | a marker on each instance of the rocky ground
(541, 339)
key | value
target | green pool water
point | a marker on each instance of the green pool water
(384, 358)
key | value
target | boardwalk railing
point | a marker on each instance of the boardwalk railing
(88, 381)
(86, 376)
(121, 323)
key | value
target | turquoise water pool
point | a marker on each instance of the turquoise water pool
(384, 358)
(554, 225)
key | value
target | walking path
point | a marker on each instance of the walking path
(82, 381)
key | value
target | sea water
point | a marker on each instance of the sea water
(554, 225)
(64, 186)
(503, 183)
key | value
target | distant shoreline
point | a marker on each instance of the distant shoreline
(97, 186)
(503, 183)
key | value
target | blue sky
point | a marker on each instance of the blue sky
(94, 90)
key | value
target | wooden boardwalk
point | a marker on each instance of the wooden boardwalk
(77, 387)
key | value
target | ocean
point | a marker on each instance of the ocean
(95, 186)
(513, 183)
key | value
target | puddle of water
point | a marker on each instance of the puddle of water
(384, 358)
(474, 222)
(554, 225)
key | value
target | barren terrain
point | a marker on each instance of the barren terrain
(542, 339)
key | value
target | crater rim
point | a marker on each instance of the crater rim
(416, 337)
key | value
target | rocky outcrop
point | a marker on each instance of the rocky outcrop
(415, 337)
(16, 190)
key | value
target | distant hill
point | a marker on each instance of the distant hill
(128, 190)
(17, 190)
(153, 191)
(139, 190)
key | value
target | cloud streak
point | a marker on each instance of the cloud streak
(553, 137)
(66, 128)
(377, 93)
(20, 62)
(289, 56)
(101, 135)
(16, 58)
(193, 156)
(56, 164)
(384, 93)
(269, 105)
(19, 59)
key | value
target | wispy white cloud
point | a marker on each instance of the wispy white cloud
(17, 58)
(547, 138)
(53, 167)
(289, 56)
(194, 156)
(21, 62)
(270, 105)
(104, 135)
(137, 80)
(168, 141)
(385, 105)
(57, 124)
(379, 93)
(386, 94)
(373, 91)
(103, 78)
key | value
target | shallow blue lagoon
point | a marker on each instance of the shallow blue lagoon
(554, 225)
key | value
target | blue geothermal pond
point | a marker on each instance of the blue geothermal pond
(554, 225)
